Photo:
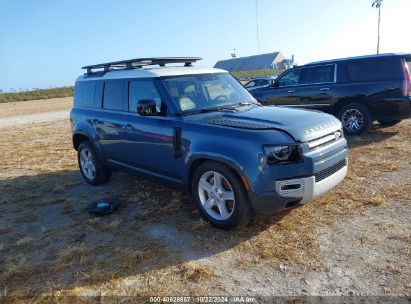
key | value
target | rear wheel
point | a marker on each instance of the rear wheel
(220, 196)
(355, 118)
(90, 167)
(389, 123)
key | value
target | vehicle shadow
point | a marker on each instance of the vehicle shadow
(376, 135)
(44, 223)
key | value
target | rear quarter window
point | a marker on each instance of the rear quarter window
(84, 94)
(370, 70)
(113, 95)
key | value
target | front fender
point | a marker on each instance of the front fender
(192, 160)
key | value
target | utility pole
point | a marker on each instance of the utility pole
(377, 4)
(256, 21)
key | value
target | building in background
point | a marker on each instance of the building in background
(274, 60)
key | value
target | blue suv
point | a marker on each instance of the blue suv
(199, 130)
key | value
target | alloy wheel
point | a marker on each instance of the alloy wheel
(352, 120)
(216, 195)
(88, 167)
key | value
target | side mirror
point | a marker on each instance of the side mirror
(275, 84)
(147, 107)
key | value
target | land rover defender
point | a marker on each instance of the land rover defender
(199, 130)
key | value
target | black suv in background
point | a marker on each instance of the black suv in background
(357, 90)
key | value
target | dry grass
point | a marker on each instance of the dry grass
(24, 241)
(129, 256)
(72, 254)
(16, 266)
(112, 224)
(196, 272)
(35, 106)
(17, 271)
(51, 150)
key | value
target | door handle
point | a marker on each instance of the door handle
(127, 127)
(324, 89)
(291, 91)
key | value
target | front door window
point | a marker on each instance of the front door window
(292, 78)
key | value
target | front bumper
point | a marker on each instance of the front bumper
(289, 193)
(308, 188)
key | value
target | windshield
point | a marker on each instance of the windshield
(206, 91)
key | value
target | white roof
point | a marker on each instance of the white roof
(154, 72)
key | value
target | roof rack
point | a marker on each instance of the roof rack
(138, 63)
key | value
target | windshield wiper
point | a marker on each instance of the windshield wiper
(208, 110)
(246, 103)
(232, 107)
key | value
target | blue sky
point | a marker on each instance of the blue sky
(44, 43)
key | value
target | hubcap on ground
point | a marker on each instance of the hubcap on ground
(216, 195)
(352, 119)
(87, 164)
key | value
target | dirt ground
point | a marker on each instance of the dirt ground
(35, 106)
(353, 241)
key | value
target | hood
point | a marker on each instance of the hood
(303, 125)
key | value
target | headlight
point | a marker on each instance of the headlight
(283, 154)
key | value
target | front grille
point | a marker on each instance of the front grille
(325, 140)
(319, 176)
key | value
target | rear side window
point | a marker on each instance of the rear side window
(140, 90)
(113, 96)
(84, 94)
(370, 70)
(318, 74)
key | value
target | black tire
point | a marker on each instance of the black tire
(102, 174)
(240, 213)
(389, 123)
(363, 122)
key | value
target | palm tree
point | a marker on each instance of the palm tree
(377, 4)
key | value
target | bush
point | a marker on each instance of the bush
(257, 73)
(37, 94)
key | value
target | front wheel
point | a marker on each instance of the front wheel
(220, 196)
(355, 118)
